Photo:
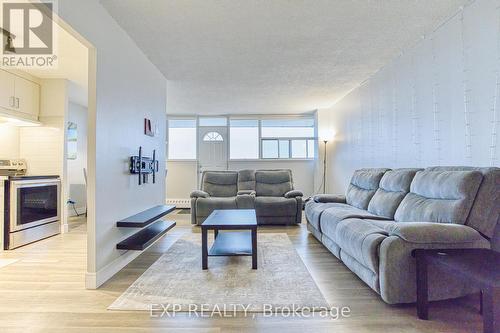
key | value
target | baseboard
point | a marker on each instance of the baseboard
(95, 280)
(180, 203)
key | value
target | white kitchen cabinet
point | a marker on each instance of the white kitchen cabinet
(19, 96)
(7, 99)
(27, 96)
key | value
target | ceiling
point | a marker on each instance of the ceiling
(272, 56)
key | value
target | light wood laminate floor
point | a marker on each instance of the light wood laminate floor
(44, 292)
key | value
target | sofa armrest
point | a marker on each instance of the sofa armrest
(246, 192)
(293, 194)
(199, 194)
(430, 232)
(326, 198)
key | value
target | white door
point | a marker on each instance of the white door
(212, 148)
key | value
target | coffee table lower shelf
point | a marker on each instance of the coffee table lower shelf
(232, 243)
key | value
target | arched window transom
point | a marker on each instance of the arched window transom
(213, 136)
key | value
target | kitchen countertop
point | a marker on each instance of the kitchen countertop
(31, 177)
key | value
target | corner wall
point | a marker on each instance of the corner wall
(437, 104)
(76, 181)
(128, 89)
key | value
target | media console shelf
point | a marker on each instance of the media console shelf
(145, 237)
(151, 224)
(146, 217)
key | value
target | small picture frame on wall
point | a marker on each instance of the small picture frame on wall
(72, 139)
(149, 129)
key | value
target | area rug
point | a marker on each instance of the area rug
(176, 278)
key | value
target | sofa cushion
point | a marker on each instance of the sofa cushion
(275, 206)
(337, 212)
(199, 194)
(393, 187)
(485, 212)
(220, 183)
(361, 240)
(245, 201)
(329, 198)
(246, 180)
(365, 274)
(273, 183)
(364, 183)
(205, 206)
(293, 194)
(313, 211)
(429, 232)
(439, 196)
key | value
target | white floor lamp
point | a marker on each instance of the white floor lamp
(326, 137)
(324, 167)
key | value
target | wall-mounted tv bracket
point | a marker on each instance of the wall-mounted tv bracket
(143, 166)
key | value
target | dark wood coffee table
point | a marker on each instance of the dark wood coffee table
(476, 267)
(240, 243)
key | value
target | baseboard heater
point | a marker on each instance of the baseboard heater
(180, 203)
(151, 225)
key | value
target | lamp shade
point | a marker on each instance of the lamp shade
(326, 135)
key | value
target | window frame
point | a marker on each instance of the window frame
(214, 139)
(259, 119)
(290, 149)
(168, 143)
(229, 139)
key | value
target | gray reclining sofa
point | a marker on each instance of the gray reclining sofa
(269, 192)
(385, 214)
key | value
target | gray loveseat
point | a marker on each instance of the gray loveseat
(386, 214)
(269, 192)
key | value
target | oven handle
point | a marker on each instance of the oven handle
(35, 182)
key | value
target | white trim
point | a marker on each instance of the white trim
(183, 160)
(273, 160)
(249, 116)
(95, 280)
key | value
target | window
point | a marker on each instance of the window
(213, 136)
(299, 148)
(249, 139)
(288, 128)
(284, 149)
(213, 121)
(181, 139)
(244, 139)
(311, 146)
(288, 138)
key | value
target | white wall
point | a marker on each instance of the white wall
(9, 138)
(181, 179)
(129, 88)
(412, 112)
(76, 180)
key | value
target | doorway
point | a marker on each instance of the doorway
(212, 145)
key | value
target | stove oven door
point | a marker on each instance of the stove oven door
(33, 203)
